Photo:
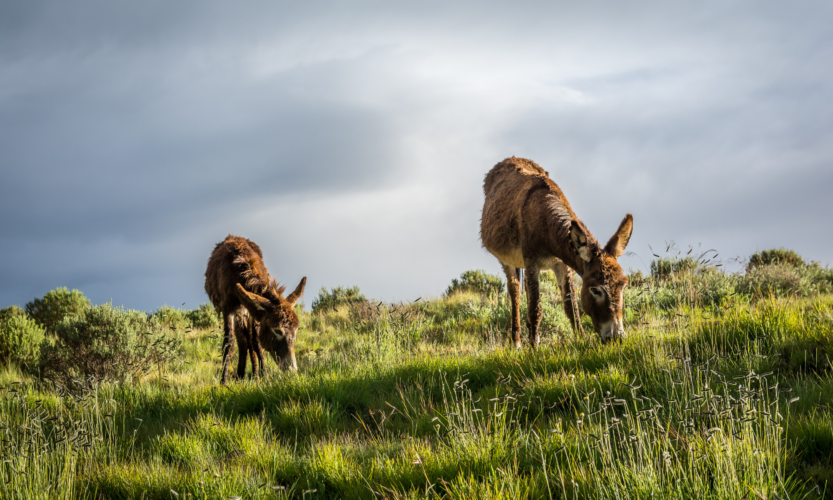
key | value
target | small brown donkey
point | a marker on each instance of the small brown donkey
(253, 307)
(527, 223)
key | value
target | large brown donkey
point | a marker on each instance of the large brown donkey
(253, 307)
(527, 223)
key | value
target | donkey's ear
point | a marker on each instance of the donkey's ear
(578, 240)
(253, 302)
(619, 240)
(296, 294)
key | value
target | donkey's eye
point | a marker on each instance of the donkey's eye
(597, 292)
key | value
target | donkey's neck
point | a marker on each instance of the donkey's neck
(568, 256)
(560, 218)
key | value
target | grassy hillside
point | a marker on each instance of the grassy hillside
(721, 390)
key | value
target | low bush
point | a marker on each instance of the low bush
(204, 316)
(671, 267)
(106, 344)
(775, 256)
(712, 287)
(705, 286)
(819, 276)
(477, 281)
(11, 312)
(20, 338)
(55, 306)
(773, 279)
(787, 279)
(637, 278)
(329, 300)
(548, 284)
(174, 319)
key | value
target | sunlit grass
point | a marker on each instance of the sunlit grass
(708, 397)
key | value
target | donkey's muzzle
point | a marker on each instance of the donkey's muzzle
(613, 330)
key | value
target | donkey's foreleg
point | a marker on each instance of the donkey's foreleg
(564, 276)
(257, 348)
(228, 346)
(243, 348)
(514, 286)
(253, 357)
(244, 342)
(533, 303)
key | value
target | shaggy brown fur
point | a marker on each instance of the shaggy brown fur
(253, 307)
(527, 223)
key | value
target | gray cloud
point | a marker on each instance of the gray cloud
(350, 140)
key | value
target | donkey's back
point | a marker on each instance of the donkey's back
(234, 260)
(507, 211)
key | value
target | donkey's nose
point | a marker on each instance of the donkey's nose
(613, 330)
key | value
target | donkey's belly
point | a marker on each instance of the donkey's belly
(510, 257)
(514, 257)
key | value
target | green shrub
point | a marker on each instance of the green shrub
(670, 267)
(547, 283)
(775, 256)
(106, 344)
(712, 287)
(637, 278)
(705, 286)
(55, 306)
(10, 312)
(327, 301)
(477, 281)
(771, 279)
(20, 337)
(172, 318)
(204, 316)
(787, 279)
(818, 276)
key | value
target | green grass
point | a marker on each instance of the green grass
(714, 394)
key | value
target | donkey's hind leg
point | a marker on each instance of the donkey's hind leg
(533, 303)
(514, 286)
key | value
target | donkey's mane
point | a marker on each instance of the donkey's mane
(254, 280)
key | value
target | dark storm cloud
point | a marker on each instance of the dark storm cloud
(146, 152)
(121, 130)
(350, 139)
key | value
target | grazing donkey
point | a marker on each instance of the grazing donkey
(254, 309)
(527, 223)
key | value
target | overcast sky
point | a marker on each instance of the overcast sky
(350, 139)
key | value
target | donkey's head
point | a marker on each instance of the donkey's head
(278, 321)
(603, 281)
